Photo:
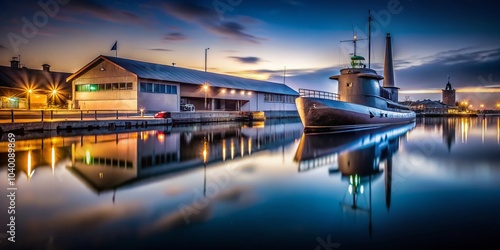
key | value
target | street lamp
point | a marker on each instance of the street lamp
(205, 88)
(29, 98)
(206, 59)
(54, 92)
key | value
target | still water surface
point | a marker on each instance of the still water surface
(261, 186)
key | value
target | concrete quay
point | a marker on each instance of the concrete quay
(65, 124)
(69, 124)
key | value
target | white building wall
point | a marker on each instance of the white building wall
(274, 106)
(101, 73)
(158, 102)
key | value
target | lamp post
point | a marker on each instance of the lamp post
(206, 60)
(29, 98)
(54, 92)
(205, 88)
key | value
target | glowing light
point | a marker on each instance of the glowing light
(224, 150)
(464, 125)
(205, 86)
(30, 173)
(249, 93)
(362, 189)
(483, 131)
(53, 159)
(87, 157)
(242, 92)
(233, 91)
(161, 137)
(101, 175)
(223, 91)
(232, 148)
(242, 147)
(350, 189)
(205, 153)
(249, 146)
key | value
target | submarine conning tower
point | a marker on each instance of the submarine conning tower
(389, 71)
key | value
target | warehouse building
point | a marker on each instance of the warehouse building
(24, 88)
(118, 83)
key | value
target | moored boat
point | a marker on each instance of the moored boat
(361, 102)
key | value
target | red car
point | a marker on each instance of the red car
(162, 114)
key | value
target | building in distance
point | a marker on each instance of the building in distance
(24, 88)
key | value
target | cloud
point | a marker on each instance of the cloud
(246, 60)
(452, 57)
(233, 30)
(100, 11)
(175, 36)
(160, 49)
(2, 47)
(207, 18)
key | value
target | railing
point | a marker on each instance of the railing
(318, 94)
(14, 115)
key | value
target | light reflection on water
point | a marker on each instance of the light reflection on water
(262, 186)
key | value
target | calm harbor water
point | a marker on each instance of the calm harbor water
(260, 186)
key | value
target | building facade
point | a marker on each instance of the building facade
(122, 84)
(23, 88)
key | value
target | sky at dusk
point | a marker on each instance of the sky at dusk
(258, 39)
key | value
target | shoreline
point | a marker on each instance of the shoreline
(69, 124)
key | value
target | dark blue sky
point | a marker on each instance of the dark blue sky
(258, 39)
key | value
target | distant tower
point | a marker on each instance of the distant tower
(449, 94)
(389, 70)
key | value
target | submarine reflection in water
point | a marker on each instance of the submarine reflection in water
(359, 156)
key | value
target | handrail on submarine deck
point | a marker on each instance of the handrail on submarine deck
(318, 94)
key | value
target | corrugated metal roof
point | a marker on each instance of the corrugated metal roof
(182, 75)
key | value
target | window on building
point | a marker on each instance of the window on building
(123, 86)
(143, 87)
(108, 86)
(279, 98)
(149, 87)
(157, 87)
(94, 87)
(129, 86)
(162, 88)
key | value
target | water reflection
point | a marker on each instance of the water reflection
(360, 157)
(109, 161)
